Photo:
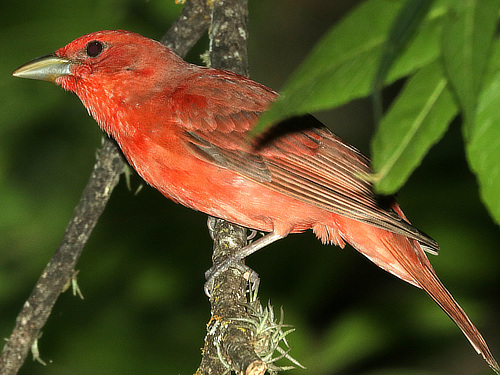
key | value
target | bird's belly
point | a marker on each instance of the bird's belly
(225, 194)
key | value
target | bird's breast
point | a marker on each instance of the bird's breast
(167, 165)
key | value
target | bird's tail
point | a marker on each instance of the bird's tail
(426, 278)
(406, 259)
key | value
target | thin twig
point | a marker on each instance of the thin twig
(57, 274)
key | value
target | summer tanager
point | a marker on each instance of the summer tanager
(184, 129)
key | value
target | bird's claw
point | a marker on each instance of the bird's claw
(210, 275)
(211, 226)
(252, 235)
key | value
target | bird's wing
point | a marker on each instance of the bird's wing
(299, 157)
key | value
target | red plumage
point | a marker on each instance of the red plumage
(184, 130)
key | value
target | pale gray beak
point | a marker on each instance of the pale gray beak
(45, 68)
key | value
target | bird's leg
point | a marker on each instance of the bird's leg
(234, 260)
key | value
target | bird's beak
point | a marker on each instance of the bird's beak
(45, 68)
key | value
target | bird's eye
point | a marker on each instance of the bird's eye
(94, 48)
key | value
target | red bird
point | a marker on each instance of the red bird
(184, 129)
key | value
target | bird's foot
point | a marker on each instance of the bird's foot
(233, 262)
(252, 235)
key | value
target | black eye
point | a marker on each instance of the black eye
(94, 48)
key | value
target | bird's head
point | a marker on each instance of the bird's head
(103, 55)
(107, 69)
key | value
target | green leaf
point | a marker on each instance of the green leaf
(466, 42)
(417, 119)
(483, 149)
(494, 63)
(402, 31)
(342, 65)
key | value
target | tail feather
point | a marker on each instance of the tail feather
(426, 278)
(406, 259)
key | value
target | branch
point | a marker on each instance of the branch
(228, 36)
(59, 271)
(229, 343)
(191, 24)
(188, 27)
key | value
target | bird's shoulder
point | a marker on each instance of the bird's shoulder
(212, 100)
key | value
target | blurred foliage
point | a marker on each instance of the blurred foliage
(142, 270)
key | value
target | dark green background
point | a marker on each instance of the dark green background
(142, 270)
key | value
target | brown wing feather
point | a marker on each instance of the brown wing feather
(300, 157)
